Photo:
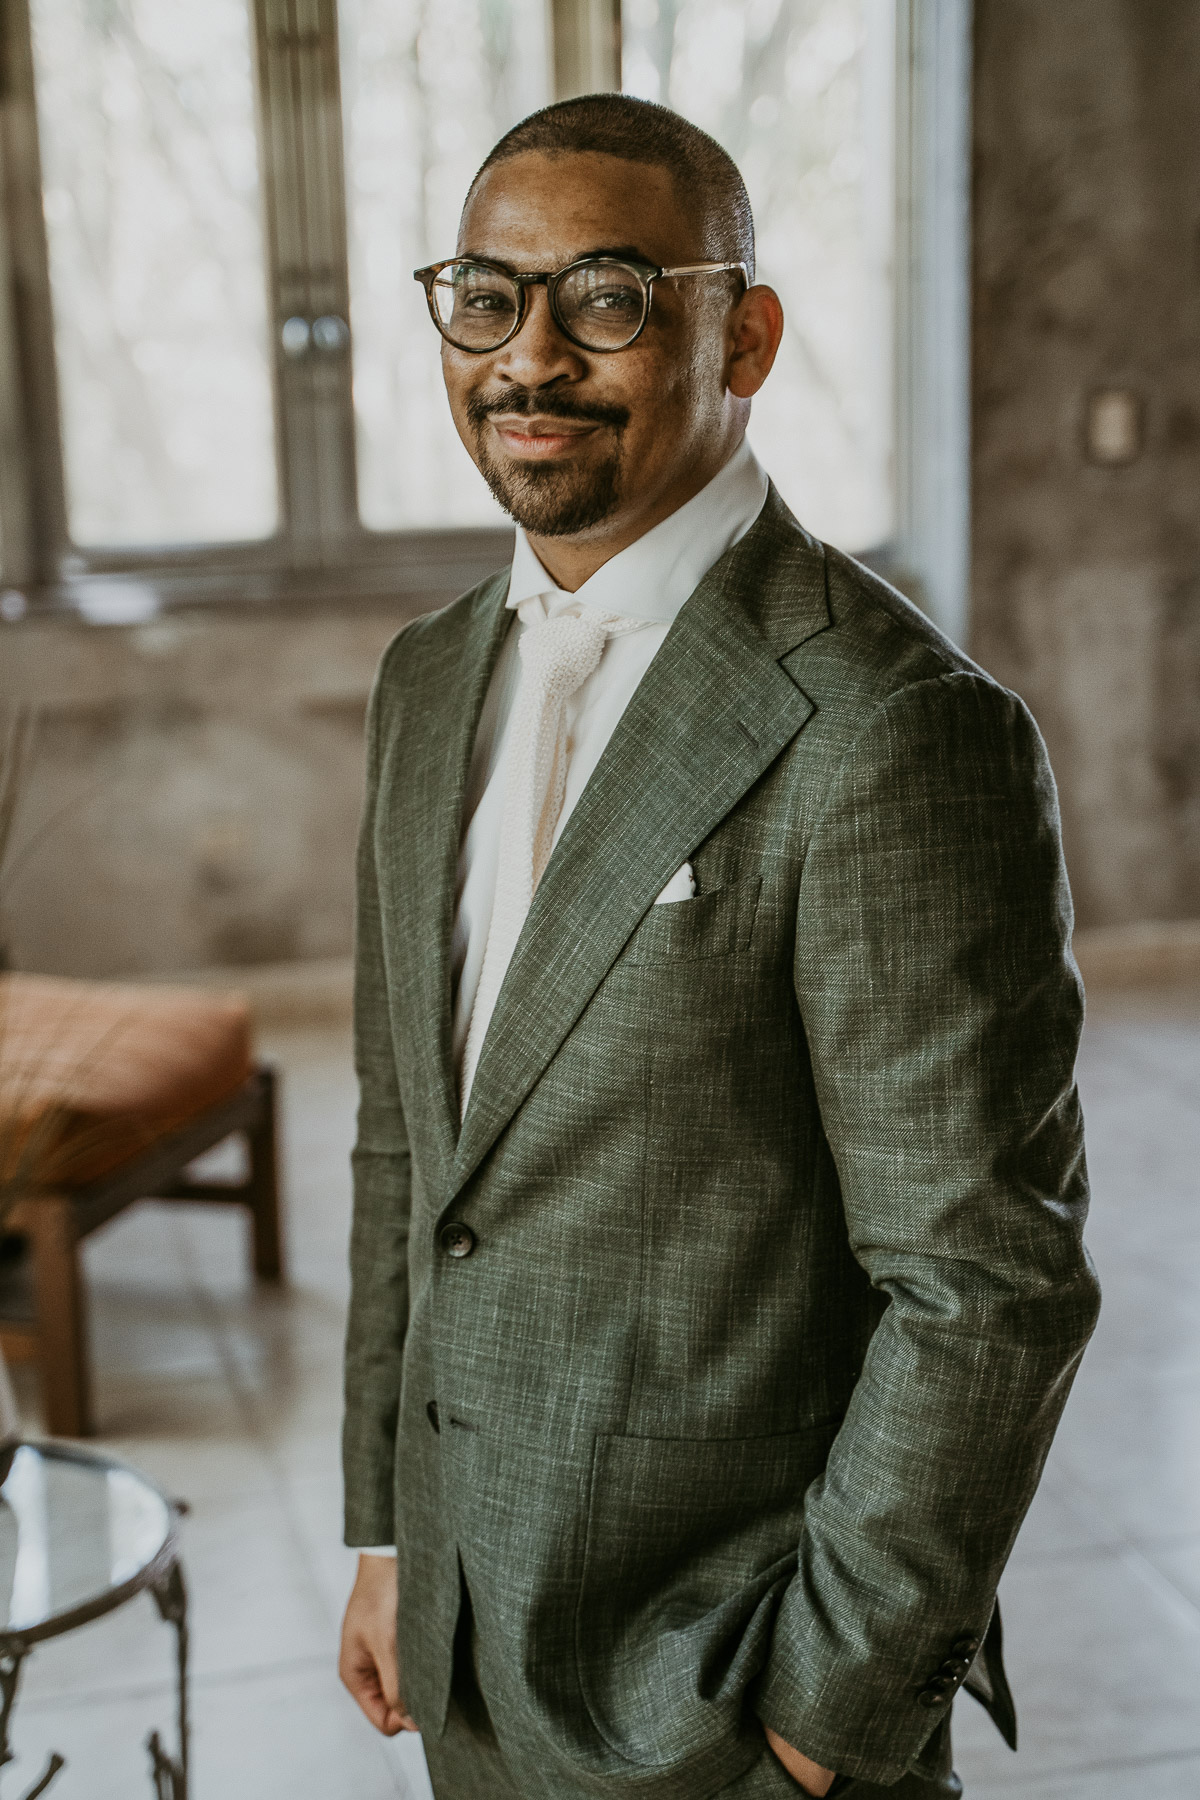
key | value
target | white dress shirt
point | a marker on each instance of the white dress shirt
(648, 581)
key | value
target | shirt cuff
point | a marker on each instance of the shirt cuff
(374, 1549)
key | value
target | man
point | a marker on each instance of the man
(717, 1271)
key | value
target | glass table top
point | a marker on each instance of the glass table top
(74, 1528)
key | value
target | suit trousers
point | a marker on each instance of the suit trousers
(468, 1763)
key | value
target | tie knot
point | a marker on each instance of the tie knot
(559, 654)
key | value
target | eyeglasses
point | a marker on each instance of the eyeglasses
(599, 303)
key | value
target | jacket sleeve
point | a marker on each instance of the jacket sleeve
(942, 1010)
(381, 1164)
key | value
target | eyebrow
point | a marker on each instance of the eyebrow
(628, 252)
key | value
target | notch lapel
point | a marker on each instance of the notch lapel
(445, 684)
(711, 714)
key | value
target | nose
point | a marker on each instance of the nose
(539, 354)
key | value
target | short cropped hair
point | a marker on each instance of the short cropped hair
(706, 177)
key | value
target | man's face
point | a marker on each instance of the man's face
(574, 442)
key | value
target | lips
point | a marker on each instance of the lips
(539, 437)
(523, 417)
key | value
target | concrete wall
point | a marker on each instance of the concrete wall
(1087, 277)
(195, 788)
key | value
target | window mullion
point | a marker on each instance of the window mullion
(33, 516)
(587, 46)
(17, 547)
(933, 236)
(309, 286)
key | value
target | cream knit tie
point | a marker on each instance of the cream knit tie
(557, 656)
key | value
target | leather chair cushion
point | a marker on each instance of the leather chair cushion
(93, 1073)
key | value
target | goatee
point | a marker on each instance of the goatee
(550, 499)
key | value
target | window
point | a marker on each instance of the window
(227, 387)
(216, 375)
(800, 94)
(153, 226)
(426, 91)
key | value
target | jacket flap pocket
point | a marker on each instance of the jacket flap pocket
(690, 1545)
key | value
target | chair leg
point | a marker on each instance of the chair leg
(263, 1196)
(61, 1316)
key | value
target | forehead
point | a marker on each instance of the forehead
(539, 211)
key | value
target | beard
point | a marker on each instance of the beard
(549, 499)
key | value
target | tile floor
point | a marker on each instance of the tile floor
(230, 1398)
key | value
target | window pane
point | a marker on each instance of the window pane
(150, 165)
(800, 93)
(427, 88)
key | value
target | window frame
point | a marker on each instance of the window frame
(930, 554)
(321, 551)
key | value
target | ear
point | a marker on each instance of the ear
(755, 328)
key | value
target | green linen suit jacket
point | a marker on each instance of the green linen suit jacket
(733, 1411)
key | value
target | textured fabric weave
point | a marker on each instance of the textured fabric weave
(468, 1760)
(776, 1285)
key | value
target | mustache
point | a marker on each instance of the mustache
(547, 404)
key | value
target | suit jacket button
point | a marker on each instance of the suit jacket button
(431, 1413)
(457, 1239)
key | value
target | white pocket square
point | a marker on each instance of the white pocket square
(682, 886)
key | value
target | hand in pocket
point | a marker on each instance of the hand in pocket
(813, 1779)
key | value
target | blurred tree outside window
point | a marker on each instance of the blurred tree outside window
(427, 88)
(146, 116)
(800, 92)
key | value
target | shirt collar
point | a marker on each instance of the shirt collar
(651, 578)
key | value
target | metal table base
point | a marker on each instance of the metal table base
(161, 1575)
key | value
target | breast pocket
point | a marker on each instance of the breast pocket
(716, 924)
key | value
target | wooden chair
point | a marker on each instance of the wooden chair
(120, 1089)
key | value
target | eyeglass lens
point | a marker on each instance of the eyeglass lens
(600, 305)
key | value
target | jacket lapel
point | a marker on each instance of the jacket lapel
(444, 696)
(712, 713)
